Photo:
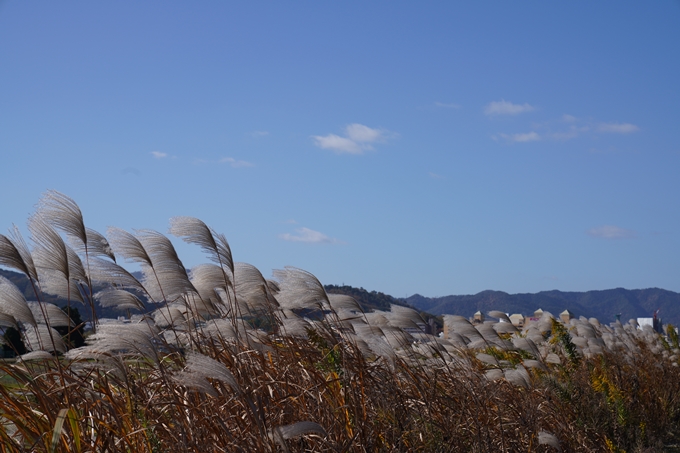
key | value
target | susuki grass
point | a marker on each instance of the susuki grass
(191, 373)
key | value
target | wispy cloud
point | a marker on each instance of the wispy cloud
(259, 133)
(236, 163)
(504, 107)
(445, 105)
(358, 138)
(309, 236)
(618, 128)
(522, 138)
(159, 155)
(611, 232)
(435, 175)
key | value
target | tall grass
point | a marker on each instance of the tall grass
(191, 373)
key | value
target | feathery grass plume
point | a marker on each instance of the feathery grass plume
(500, 315)
(96, 245)
(252, 288)
(128, 246)
(194, 231)
(504, 327)
(36, 356)
(13, 303)
(45, 313)
(133, 339)
(194, 381)
(344, 302)
(209, 368)
(299, 289)
(14, 253)
(7, 321)
(43, 338)
(518, 376)
(63, 213)
(545, 438)
(487, 358)
(282, 433)
(292, 325)
(119, 299)
(167, 276)
(104, 271)
(206, 278)
(170, 316)
(527, 345)
(404, 317)
(494, 374)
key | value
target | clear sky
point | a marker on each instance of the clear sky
(405, 147)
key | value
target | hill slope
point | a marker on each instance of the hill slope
(603, 305)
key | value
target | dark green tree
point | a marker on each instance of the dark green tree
(74, 335)
(13, 342)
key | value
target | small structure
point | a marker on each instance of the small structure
(517, 320)
(566, 316)
(478, 318)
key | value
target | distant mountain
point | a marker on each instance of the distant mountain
(603, 305)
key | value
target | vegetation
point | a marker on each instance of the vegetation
(193, 374)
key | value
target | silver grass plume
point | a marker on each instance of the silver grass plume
(342, 301)
(96, 245)
(55, 315)
(500, 315)
(206, 278)
(518, 376)
(36, 356)
(282, 433)
(207, 367)
(251, 286)
(299, 289)
(545, 438)
(59, 267)
(14, 253)
(43, 338)
(169, 277)
(63, 213)
(292, 325)
(194, 231)
(7, 321)
(133, 339)
(13, 303)
(102, 270)
(195, 382)
(128, 246)
(119, 299)
(404, 317)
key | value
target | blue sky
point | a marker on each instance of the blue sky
(405, 147)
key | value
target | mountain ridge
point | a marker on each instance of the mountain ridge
(601, 304)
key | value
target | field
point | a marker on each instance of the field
(231, 361)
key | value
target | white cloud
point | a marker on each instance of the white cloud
(435, 175)
(259, 133)
(338, 144)
(235, 163)
(503, 107)
(522, 138)
(309, 236)
(159, 155)
(447, 106)
(358, 139)
(611, 232)
(618, 128)
(569, 118)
